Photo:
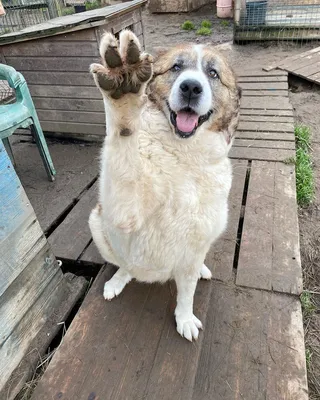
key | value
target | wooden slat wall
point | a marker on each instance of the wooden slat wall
(31, 284)
(57, 72)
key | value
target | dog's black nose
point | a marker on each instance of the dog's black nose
(191, 88)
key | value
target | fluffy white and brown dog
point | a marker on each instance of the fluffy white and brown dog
(165, 175)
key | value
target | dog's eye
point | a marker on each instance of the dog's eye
(176, 68)
(213, 74)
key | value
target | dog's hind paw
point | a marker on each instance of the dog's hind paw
(125, 69)
(188, 326)
(205, 272)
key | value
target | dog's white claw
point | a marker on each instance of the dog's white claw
(205, 272)
(189, 327)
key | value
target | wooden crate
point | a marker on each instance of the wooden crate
(32, 285)
(55, 57)
(168, 6)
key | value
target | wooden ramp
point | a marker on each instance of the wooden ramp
(305, 65)
(252, 347)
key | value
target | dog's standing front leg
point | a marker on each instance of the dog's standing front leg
(122, 81)
(188, 324)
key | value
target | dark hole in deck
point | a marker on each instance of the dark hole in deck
(241, 219)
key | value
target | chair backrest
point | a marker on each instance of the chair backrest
(10, 75)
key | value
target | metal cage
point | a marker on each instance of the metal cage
(277, 20)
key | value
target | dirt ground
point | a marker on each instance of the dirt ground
(165, 30)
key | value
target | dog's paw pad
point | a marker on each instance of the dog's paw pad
(189, 327)
(205, 273)
(109, 51)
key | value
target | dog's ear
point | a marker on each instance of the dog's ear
(159, 51)
(160, 65)
(224, 48)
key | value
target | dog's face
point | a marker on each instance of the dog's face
(195, 86)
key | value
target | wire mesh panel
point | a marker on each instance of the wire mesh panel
(6, 93)
(23, 13)
(277, 20)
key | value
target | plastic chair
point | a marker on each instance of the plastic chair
(22, 114)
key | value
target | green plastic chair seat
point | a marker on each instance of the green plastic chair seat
(22, 114)
(12, 115)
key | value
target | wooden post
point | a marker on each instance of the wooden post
(237, 11)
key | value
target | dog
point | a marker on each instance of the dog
(165, 175)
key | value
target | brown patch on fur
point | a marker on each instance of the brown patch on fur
(99, 208)
(125, 132)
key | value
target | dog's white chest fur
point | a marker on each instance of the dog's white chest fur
(185, 198)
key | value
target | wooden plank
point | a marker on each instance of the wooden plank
(21, 237)
(80, 35)
(84, 356)
(253, 347)
(266, 78)
(248, 153)
(265, 126)
(266, 136)
(269, 144)
(263, 93)
(254, 72)
(308, 70)
(25, 290)
(16, 345)
(308, 60)
(73, 92)
(268, 103)
(266, 118)
(288, 60)
(74, 64)
(71, 116)
(264, 86)
(239, 347)
(75, 226)
(74, 290)
(72, 127)
(43, 48)
(269, 254)
(91, 255)
(221, 255)
(62, 78)
(47, 103)
(266, 112)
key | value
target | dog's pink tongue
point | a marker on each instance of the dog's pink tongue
(186, 121)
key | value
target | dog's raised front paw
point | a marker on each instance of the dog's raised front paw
(116, 284)
(125, 69)
(188, 326)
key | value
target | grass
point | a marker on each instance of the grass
(203, 31)
(67, 11)
(93, 5)
(206, 24)
(304, 171)
(307, 303)
(224, 23)
(188, 26)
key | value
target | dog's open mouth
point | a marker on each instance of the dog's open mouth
(186, 121)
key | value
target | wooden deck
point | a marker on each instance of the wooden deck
(305, 65)
(252, 347)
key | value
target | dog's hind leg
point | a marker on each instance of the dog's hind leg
(95, 224)
(205, 272)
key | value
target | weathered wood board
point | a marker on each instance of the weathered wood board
(305, 65)
(32, 285)
(269, 255)
(55, 58)
(241, 354)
